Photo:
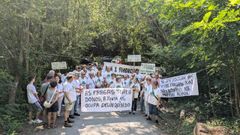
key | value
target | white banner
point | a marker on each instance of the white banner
(106, 100)
(147, 68)
(179, 86)
(120, 68)
(59, 65)
(134, 58)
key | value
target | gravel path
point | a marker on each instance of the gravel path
(113, 123)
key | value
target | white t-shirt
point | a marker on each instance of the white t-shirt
(108, 76)
(126, 83)
(136, 86)
(60, 89)
(91, 83)
(31, 90)
(63, 78)
(139, 77)
(98, 81)
(76, 85)
(152, 99)
(68, 88)
(116, 85)
(83, 82)
(147, 90)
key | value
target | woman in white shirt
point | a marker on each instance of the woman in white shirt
(60, 94)
(135, 86)
(153, 100)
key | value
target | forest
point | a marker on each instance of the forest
(182, 36)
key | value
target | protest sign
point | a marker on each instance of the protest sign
(120, 69)
(106, 100)
(134, 58)
(59, 65)
(147, 68)
(179, 86)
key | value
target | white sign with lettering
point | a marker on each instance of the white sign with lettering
(106, 100)
(59, 65)
(134, 58)
(179, 86)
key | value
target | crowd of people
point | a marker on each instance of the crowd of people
(65, 90)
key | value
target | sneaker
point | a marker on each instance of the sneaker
(70, 121)
(66, 124)
(130, 112)
(134, 112)
(71, 116)
(58, 115)
(38, 121)
(76, 114)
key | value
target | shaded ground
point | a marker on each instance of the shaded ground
(113, 123)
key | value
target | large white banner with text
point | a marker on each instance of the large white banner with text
(106, 100)
(179, 86)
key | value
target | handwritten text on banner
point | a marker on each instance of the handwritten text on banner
(179, 86)
(106, 100)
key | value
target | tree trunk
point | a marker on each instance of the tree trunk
(12, 93)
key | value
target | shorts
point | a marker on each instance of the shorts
(68, 106)
(153, 109)
(53, 108)
(35, 107)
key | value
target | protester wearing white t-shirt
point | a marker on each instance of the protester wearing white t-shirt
(98, 80)
(153, 101)
(60, 94)
(126, 82)
(147, 88)
(135, 86)
(117, 83)
(33, 101)
(70, 98)
(90, 81)
(76, 85)
(83, 80)
(108, 74)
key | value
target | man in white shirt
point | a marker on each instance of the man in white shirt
(33, 101)
(70, 98)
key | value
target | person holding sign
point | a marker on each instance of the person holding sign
(135, 86)
(153, 100)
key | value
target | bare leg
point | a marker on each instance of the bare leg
(49, 118)
(54, 118)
